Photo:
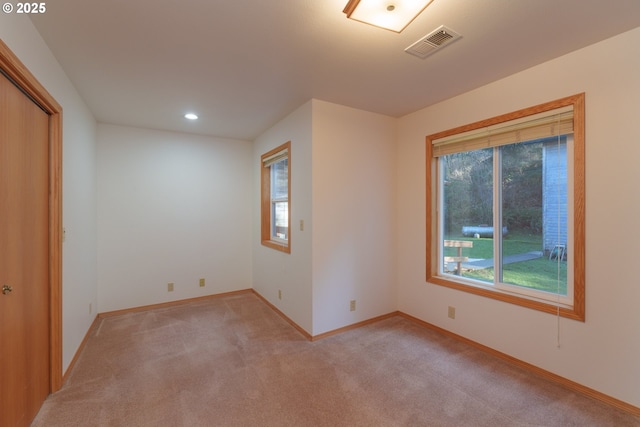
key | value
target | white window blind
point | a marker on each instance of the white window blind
(274, 158)
(537, 126)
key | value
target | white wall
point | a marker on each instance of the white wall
(354, 176)
(342, 187)
(171, 208)
(78, 181)
(274, 270)
(603, 352)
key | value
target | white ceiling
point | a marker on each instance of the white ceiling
(242, 65)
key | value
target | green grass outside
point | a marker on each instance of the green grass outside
(540, 273)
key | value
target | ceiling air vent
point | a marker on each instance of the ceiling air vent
(433, 41)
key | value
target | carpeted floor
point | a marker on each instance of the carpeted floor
(232, 361)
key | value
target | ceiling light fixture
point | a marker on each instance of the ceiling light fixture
(191, 116)
(392, 15)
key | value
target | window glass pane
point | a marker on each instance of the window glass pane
(467, 214)
(280, 215)
(534, 209)
(280, 179)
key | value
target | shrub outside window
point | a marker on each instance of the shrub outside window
(505, 207)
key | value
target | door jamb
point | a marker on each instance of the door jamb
(15, 69)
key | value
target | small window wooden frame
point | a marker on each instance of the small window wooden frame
(265, 199)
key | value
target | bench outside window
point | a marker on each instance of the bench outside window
(459, 259)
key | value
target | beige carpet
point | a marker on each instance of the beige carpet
(232, 361)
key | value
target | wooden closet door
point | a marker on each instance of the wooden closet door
(24, 256)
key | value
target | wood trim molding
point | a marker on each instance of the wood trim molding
(567, 383)
(81, 347)
(310, 337)
(304, 333)
(355, 326)
(171, 303)
(22, 77)
(350, 7)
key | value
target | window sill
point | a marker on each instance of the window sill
(279, 246)
(535, 304)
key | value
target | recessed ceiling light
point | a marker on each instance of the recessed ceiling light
(191, 116)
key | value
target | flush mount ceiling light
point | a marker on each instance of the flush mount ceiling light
(392, 15)
(191, 116)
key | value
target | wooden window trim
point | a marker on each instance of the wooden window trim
(265, 200)
(577, 311)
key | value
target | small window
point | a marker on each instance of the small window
(276, 198)
(505, 214)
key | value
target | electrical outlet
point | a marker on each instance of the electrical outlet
(452, 312)
(279, 294)
(170, 287)
(90, 308)
(302, 225)
(352, 305)
(202, 283)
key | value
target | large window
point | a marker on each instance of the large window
(276, 197)
(505, 207)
